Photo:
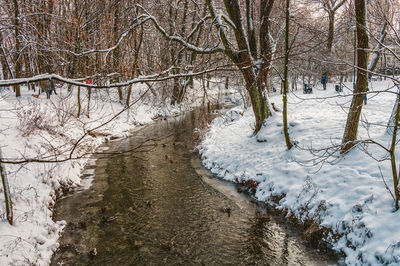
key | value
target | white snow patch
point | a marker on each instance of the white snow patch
(36, 127)
(345, 194)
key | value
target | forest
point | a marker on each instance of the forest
(313, 90)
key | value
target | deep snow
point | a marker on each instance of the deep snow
(343, 193)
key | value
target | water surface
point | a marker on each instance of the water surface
(152, 203)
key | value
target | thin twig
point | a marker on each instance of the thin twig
(386, 186)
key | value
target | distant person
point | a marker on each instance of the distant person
(324, 80)
(365, 96)
(49, 88)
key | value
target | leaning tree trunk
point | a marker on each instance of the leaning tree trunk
(377, 51)
(353, 118)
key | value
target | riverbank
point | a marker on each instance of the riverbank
(344, 194)
(48, 130)
(159, 206)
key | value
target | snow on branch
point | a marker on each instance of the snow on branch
(197, 27)
(137, 22)
(186, 44)
(227, 20)
(378, 47)
(381, 44)
(179, 39)
(338, 5)
(165, 75)
(220, 27)
(331, 7)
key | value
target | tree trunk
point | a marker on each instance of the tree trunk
(192, 59)
(128, 96)
(179, 86)
(5, 67)
(353, 118)
(137, 43)
(255, 77)
(385, 66)
(7, 195)
(289, 144)
(392, 156)
(116, 58)
(79, 101)
(257, 97)
(265, 42)
(17, 59)
(88, 104)
(376, 54)
(331, 30)
(392, 118)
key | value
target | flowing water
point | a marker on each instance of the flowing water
(152, 203)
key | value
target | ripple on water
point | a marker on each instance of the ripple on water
(165, 213)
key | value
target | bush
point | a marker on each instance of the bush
(32, 118)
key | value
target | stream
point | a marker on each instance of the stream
(147, 200)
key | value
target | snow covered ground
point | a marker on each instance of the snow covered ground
(48, 129)
(346, 194)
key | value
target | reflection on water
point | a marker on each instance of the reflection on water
(151, 207)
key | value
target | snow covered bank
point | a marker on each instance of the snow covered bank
(345, 194)
(37, 128)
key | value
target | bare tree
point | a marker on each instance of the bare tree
(253, 65)
(330, 7)
(353, 118)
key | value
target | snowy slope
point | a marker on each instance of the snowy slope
(346, 194)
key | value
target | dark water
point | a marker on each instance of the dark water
(154, 204)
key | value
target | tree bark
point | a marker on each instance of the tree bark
(392, 118)
(331, 31)
(353, 118)
(116, 53)
(4, 63)
(192, 59)
(289, 144)
(88, 103)
(7, 194)
(178, 85)
(377, 51)
(137, 43)
(392, 155)
(17, 55)
(79, 101)
(243, 58)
